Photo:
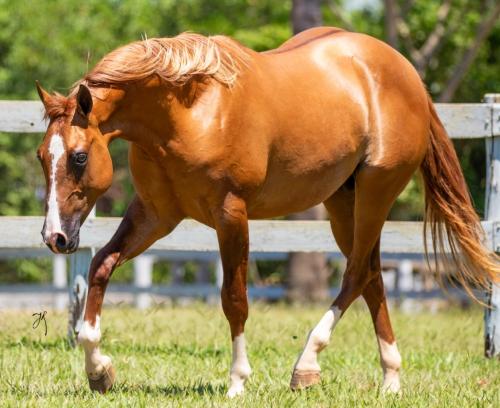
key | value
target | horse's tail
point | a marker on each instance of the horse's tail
(449, 214)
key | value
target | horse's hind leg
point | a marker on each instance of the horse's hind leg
(341, 210)
(358, 211)
(340, 206)
(390, 358)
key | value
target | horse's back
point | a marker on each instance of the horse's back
(304, 38)
(330, 51)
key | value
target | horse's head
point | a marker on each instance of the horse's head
(76, 163)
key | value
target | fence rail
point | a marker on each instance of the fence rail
(265, 236)
(462, 121)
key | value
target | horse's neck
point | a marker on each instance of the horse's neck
(129, 114)
(153, 115)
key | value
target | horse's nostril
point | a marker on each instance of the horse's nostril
(61, 242)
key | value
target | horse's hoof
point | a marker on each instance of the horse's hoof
(391, 386)
(235, 391)
(104, 383)
(304, 379)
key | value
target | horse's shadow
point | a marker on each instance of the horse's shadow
(173, 389)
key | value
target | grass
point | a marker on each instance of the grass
(180, 356)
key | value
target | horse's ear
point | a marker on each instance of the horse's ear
(84, 100)
(42, 93)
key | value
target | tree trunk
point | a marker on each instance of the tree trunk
(307, 273)
(306, 14)
(390, 21)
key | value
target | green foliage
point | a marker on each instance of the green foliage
(464, 17)
(22, 184)
(410, 203)
(59, 42)
(162, 273)
(124, 273)
(27, 271)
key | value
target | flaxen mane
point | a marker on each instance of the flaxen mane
(175, 60)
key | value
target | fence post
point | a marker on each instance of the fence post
(219, 273)
(143, 279)
(79, 269)
(405, 283)
(492, 213)
(59, 280)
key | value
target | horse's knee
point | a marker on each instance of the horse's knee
(235, 303)
(361, 272)
(101, 269)
(355, 283)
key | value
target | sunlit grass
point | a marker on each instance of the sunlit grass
(180, 356)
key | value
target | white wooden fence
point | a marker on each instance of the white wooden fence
(462, 121)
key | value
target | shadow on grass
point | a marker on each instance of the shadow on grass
(172, 389)
(153, 390)
(36, 344)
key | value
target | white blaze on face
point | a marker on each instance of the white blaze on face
(53, 220)
(391, 363)
(240, 368)
(317, 340)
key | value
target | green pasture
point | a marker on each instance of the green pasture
(180, 356)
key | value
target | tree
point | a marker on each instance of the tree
(307, 273)
(406, 24)
(306, 14)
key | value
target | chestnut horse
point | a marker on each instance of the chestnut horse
(223, 134)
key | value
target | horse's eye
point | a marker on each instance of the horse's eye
(38, 156)
(81, 159)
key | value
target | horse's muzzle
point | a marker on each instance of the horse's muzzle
(59, 243)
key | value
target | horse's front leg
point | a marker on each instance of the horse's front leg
(232, 231)
(140, 227)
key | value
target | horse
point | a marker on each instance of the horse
(223, 134)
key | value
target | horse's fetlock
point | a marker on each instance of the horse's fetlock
(241, 370)
(89, 335)
(320, 340)
(392, 362)
(389, 354)
(321, 343)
